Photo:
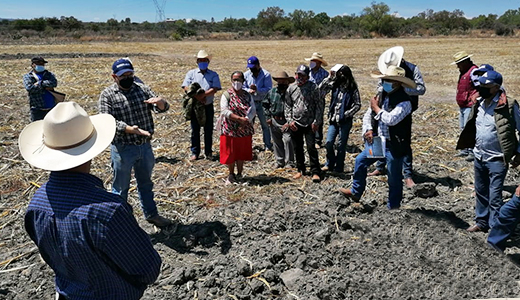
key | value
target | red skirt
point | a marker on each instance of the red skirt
(235, 148)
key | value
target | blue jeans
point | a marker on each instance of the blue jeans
(407, 165)
(489, 183)
(335, 161)
(208, 132)
(464, 116)
(141, 159)
(508, 218)
(395, 177)
(266, 134)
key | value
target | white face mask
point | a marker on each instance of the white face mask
(312, 64)
(237, 85)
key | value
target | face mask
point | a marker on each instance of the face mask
(484, 92)
(301, 81)
(282, 87)
(312, 64)
(237, 85)
(203, 65)
(126, 82)
(387, 86)
(39, 68)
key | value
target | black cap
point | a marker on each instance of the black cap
(38, 59)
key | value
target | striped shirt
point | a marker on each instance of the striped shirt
(91, 240)
(129, 108)
(36, 92)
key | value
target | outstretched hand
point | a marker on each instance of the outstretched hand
(136, 130)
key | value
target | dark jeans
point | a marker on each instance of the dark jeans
(489, 183)
(407, 165)
(38, 114)
(208, 132)
(508, 218)
(297, 138)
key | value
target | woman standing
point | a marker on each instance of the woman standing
(237, 109)
(345, 102)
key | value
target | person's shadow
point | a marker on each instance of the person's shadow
(186, 238)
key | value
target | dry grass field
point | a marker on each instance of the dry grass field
(223, 227)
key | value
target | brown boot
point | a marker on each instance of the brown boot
(348, 193)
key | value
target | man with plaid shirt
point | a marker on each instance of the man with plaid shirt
(131, 103)
(38, 82)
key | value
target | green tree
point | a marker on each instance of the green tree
(511, 17)
(375, 17)
(268, 17)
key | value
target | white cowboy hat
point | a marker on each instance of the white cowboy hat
(66, 138)
(396, 74)
(203, 54)
(391, 57)
(318, 56)
(460, 56)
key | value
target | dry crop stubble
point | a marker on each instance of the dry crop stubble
(194, 192)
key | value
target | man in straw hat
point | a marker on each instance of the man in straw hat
(131, 103)
(258, 83)
(274, 103)
(304, 113)
(317, 75)
(387, 116)
(88, 236)
(466, 91)
(210, 82)
(395, 57)
(490, 131)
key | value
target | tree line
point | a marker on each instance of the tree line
(273, 22)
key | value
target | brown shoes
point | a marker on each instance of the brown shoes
(348, 193)
(193, 157)
(475, 228)
(159, 221)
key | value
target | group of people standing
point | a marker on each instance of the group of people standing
(90, 237)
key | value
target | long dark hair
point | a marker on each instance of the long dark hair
(346, 72)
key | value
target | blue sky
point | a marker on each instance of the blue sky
(144, 10)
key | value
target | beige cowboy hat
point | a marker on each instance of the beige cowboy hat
(66, 138)
(283, 75)
(391, 57)
(203, 54)
(318, 56)
(460, 56)
(396, 74)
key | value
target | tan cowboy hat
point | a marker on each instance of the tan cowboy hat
(318, 56)
(391, 57)
(203, 54)
(396, 74)
(66, 138)
(283, 75)
(460, 56)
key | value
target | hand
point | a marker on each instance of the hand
(269, 122)
(517, 191)
(201, 98)
(253, 87)
(136, 130)
(369, 135)
(157, 101)
(293, 126)
(515, 161)
(374, 104)
(285, 127)
(242, 120)
(314, 127)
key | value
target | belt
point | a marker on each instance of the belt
(140, 142)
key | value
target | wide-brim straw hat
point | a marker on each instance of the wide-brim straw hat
(203, 54)
(317, 56)
(396, 74)
(391, 57)
(460, 56)
(283, 75)
(66, 138)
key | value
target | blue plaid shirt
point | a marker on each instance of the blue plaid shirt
(36, 92)
(90, 239)
(318, 76)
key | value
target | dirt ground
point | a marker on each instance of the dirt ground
(272, 237)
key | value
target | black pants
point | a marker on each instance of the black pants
(297, 138)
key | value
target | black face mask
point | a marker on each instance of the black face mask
(282, 87)
(484, 92)
(127, 82)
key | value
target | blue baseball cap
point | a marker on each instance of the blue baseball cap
(303, 69)
(252, 62)
(483, 69)
(491, 77)
(121, 66)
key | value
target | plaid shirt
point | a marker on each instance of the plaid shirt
(318, 76)
(129, 108)
(386, 117)
(36, 92)
(273, 103)
(303, 104)
(91, 240)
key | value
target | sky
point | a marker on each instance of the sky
(145, 10)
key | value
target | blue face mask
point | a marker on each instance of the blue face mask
(39, 68)
(203, 65)
(387, 86)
